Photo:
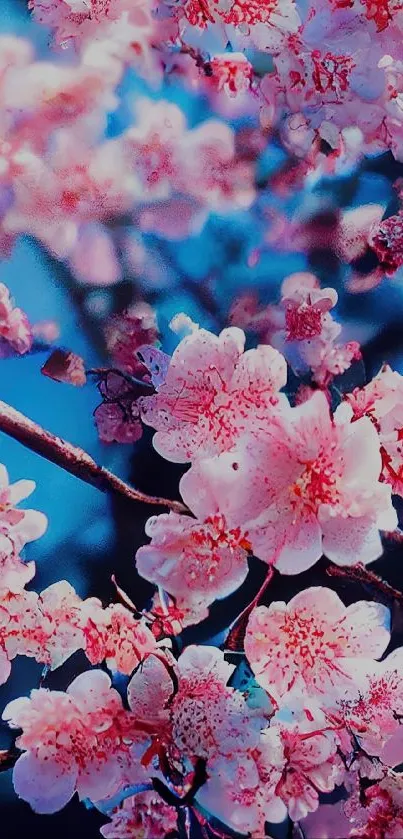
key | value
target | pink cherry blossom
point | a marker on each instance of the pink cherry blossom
(309, 484)
(213, 391)
(314, 643)
(15, 330)
(231, 73)
(143, 816)
(378, 814)
(195, 561)
(373, 711)
(382, 401)
(313, 765)
(71, 742)
(17, 527)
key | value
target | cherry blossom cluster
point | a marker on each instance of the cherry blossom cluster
(329, 59)
(269, 479)
(64, 183)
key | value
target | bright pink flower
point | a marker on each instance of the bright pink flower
(195, 560)
(314, 643)
(143, 816)
(308, 484)
(212, 393)
(71, 742)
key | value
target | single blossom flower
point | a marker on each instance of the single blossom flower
(307, 485)
(213, 392)
(73, 741)
(17, 527)
(314, 644)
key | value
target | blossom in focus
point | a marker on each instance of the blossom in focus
(213, 391)
(17, 527)
(313, 765)
(197, 560)
(309, 484)
(373, 710)
(314, 644)
(305, 305)
(71, 742)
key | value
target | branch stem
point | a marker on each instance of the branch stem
(73, 459)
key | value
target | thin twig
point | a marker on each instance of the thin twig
(361, 575)
(73, 459)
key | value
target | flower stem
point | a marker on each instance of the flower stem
(236, 635)
(73, 459)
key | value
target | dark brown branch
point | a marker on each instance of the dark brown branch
(73, 459)
(360, 574)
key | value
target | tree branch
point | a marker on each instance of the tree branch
(359, 573)
(73, 459)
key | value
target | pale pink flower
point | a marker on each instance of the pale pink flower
(232, 73)
(382, 401)
(241, 790)
(386, 239)
(374, 710)
(314, 643)
(195, 560)
(212, 393)
(15, 330)
(116, 636)
(143, 816)
(71, 742)
(198, 714)
(313, 765)
(93, 259)
(308, 484)
(17, 527)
